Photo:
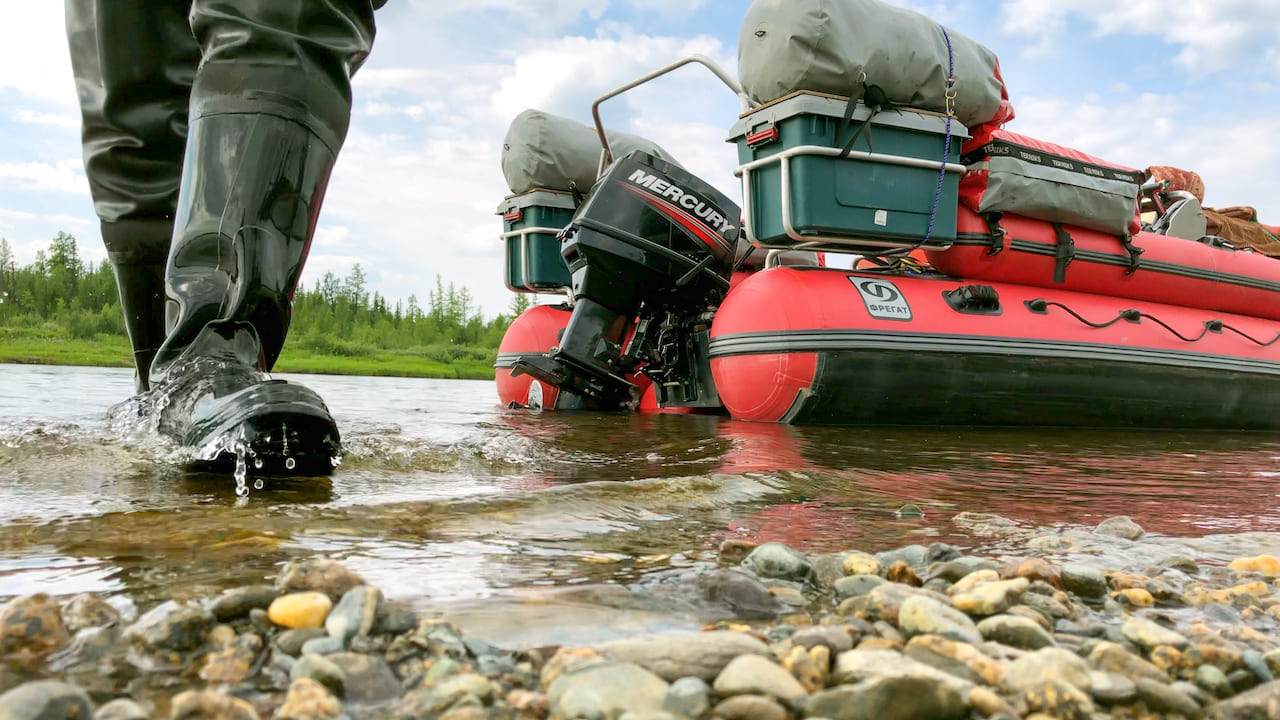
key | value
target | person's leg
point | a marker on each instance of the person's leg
(134, 63)
(270, 106)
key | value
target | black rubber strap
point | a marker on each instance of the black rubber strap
(1135, 252)
(1066, 253)
(995, 232)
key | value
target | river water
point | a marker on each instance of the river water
(526, 528)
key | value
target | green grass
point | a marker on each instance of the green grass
(45, 346)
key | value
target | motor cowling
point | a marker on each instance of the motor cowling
(653, 244)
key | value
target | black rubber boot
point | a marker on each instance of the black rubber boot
(252, 189)
(138, 250)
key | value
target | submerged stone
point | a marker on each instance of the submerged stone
(775, 560)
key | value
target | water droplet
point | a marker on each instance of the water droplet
(289, 463)
(257, 484)
(257, 463)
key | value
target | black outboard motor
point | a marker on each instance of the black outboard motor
(655, 246)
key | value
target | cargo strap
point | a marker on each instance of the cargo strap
(1066, 253)
(874, 97)
(1126, 241)
(995, 232)
(578, 197)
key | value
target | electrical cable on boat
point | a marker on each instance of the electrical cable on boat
(1223, 326)
(1040, 306)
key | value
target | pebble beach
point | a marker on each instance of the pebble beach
(917, 632)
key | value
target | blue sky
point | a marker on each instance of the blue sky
(1194, 84)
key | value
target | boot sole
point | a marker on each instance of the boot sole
(286, 430)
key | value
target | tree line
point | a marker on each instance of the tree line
(338, 316)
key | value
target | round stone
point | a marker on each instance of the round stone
(300, 610)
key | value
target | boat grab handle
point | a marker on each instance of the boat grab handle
(606, 155)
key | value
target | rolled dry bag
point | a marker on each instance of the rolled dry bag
(827, 45)
(1010, 173)
(547, 151)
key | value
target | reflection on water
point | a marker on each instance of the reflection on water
(450, 501)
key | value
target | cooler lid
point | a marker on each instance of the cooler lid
(813, 103)
(539, 197)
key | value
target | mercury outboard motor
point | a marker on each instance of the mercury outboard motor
(650, 255)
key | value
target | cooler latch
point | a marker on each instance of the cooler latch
(514, 216)
(764, 136)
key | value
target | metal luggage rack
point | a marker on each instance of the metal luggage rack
(524, 234)
(829, 243)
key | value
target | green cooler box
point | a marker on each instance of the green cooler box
(798, 189)
(530, 222)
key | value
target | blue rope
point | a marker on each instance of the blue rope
(946, 150)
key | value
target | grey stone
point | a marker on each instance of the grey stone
(1015, 631)
(355, 613)
(889, 698)
(942, 552)
(1051, 609)
(1147, 634)
(45, 700)
(397, 620)
(1193, 691)
(926, 616)
(856, 585)
(1254, 663)
(671, 656)
(1213, 681)
(688, 697)
(1121, 526)
(369, 679)
(858, 665)
(319, 574)
(1046, 664)
(755, 675)
(1083, 580)
(1161, 698)
(171, 626)
(261, 621)
(992, 598)
(606, 690)
(775, 560)
(836, 638)
(121, 709)
(236, 603)
(326, 645)
(210, 705)
(749, 707)
(912, 555)
(1112, 689)
(953, 570)
(1111, 657)
(322, 670)
(87, 610)
(290, 642)
(1183, 563)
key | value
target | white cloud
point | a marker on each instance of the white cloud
(1212, 35)
(34, 59)
(335, 236)
(64, 177)
(42, 118)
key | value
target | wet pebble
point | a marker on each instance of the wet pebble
(1112, 689)
(324, 645)
(749, 707)
(32, 625)
(355, 613)
(368, 679)
(889, 698)
(122, 709)
(606, 690)
(1046, 664)
(87, 610)
(1084, 580)
(1267, 565)
(300, 610)
(238, 602)
(1213, 681)
(1147, 634)
(210, 705)
(290, 642)
(775, 560)
(318, 574)
(46, 700)
(835, 638)
(687, 697)
(171, 626)
(912, 555)
(992, 598)
(682, 654)
(309, 700)
(321, 670)
(926, 616)
(1121, 526)
(1162, 698)
(755, 675)
(1015, 631)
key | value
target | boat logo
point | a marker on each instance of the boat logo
(882, 298)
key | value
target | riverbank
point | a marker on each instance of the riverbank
(911, 633)
(34, 346)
